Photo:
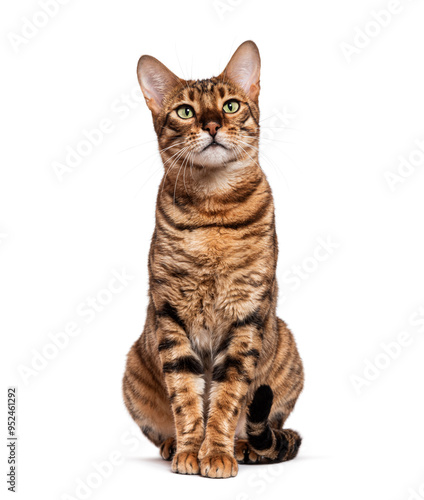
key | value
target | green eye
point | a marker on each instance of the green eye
(185, 112)
(231, 107)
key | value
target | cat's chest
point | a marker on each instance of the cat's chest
(215, 248)
(210, 293)
(209, 278)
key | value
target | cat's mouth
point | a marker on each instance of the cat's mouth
(214, 154)
(214, 144)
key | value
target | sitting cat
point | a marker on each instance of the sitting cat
(215, 373)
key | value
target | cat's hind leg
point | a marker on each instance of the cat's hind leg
(272, 404)
(146, 399)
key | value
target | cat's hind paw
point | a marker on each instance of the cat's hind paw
(167, 449)
(244, 453)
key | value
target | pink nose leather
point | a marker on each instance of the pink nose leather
(212, 128)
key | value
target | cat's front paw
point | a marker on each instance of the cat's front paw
(219, 465)
(185, 463)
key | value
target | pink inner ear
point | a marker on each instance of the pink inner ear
(244, 68)
(245, 76)
(249, 75)
(155, 81)
(154, 87)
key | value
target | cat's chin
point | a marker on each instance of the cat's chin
(214, 156)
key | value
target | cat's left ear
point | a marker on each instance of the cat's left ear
(244, 69)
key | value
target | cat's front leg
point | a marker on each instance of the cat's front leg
(183, 371)
(232, 375)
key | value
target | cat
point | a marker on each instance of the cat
(215, 373)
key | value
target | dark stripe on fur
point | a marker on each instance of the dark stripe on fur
(263, 441)
(169, 311)
(260, 407)
(254, 318)
(274, 444)
(185, 364)
(167, 344)
(220, 372)
(256, 217)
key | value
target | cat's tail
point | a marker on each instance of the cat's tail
(278, 445)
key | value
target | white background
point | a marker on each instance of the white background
(331, 129)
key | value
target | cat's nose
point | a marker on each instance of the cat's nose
(212, 128)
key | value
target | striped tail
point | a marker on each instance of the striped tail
(277, 445)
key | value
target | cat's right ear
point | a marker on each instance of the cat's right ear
(156, 81)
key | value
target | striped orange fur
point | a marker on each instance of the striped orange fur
(215, 373)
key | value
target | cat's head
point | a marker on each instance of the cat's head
(206, 123)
